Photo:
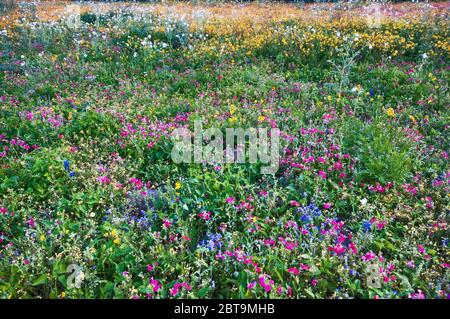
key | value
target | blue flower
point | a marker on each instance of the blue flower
(367, 225)
(66, 165)
(72, 174)
(211, 241)
(372, 92)
(309, 213)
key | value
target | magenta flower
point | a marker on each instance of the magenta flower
(420, 248)
(31, 223)
(338, 249)
(205, 215)
(368, 256)
(322, 174)
(294, 203)
(294, 271)
(251, 285)
(305, 267)
(418, 295)
(230, 200)
(104, 179)
(266, 285)
(155, 284)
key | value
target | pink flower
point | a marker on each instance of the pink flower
(314, 282)
(352, 248)
(418, 295)
(178, 286)
(138, 184)
(368, 256)
(167, 223)
(338, 249)
(309, 159)
(230, 200)
(380, 225)
(266, 285)
(341, 238)
(337, 166)
(327, 205)
(279, 290)
(305, 267)
(420, 248)
(294, 203)
(205, 215)
(294, 271)
(31, 222)
(104, 179)
(322, 174)
(251, 285)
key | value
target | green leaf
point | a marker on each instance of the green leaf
(42, 279)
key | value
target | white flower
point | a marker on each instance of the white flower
(363, 201)
(424, 56)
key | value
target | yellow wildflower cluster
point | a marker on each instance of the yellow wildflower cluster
(114, 235)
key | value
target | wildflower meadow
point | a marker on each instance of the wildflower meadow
(157, 150)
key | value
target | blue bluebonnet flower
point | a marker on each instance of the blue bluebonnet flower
(372, 92)
(72, 174)
(309, 213)
(212, 241)
(367, 225)
(66, 165)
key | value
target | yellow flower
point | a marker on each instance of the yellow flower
(177, 185)
(116, 241)
(261, 118)
(63, 294)
(412, 118)
(390, 112)
(232, 109)
(42, 238)
(329, 97)
(232, 119)
(113, 233)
